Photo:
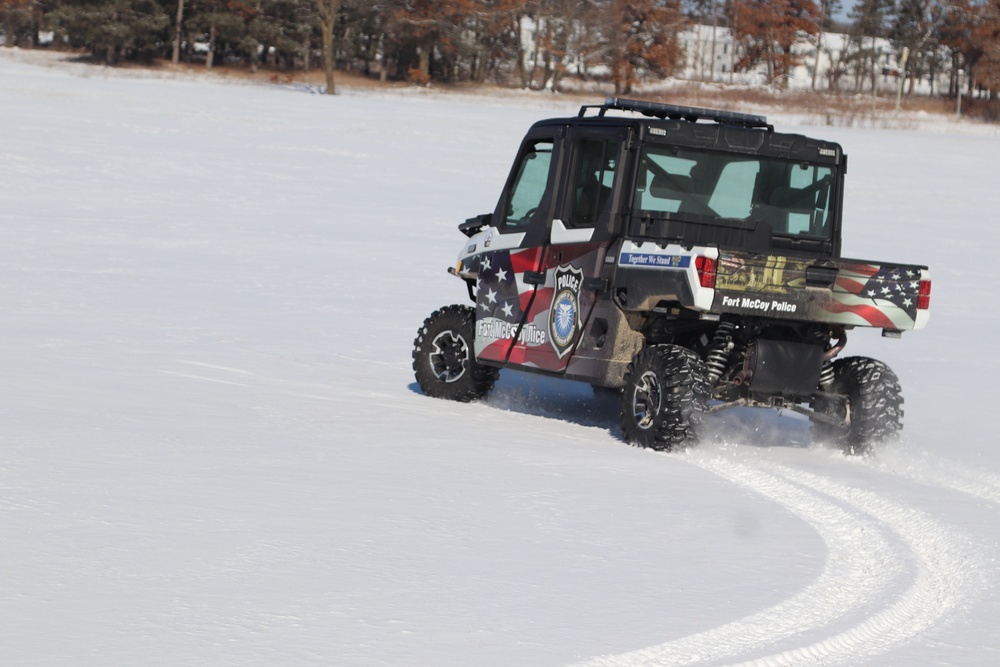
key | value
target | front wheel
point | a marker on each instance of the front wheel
(444, 361)
(664, 397)
(872, 410)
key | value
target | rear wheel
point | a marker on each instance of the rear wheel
(664, 397)
(873, 407)
(444, 360)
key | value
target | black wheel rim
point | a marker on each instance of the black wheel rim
(647, 399)
(448, 356)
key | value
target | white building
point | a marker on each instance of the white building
(710, 55)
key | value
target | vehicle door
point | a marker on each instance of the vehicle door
(538, 297)
(570, 276)
(510, 263)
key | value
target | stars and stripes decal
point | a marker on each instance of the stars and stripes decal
(497, 286)
(535, 323)
(886, 296)
(502, 300)
(879, 296)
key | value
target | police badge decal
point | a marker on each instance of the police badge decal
(564, 315)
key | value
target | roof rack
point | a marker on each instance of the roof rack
(674, 112)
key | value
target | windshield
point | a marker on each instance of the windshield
(794, 198)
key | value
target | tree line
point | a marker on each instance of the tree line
(526, 43)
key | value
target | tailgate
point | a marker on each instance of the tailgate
(843, 291)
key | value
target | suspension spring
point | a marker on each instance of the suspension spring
(826, 375)
(718, 354)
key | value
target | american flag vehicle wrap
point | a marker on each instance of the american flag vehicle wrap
(848, 292)
(531, 323)
(878, 296)
(502, 300)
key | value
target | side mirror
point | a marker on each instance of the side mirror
(473, 225)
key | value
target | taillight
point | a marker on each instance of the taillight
(924, 295)
(706, 267)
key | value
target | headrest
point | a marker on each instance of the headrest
(669, 186)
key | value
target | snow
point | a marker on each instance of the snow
(214, 451)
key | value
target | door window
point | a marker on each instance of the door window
(530, 185)
(593, 181)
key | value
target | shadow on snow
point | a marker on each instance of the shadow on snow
(581, 404)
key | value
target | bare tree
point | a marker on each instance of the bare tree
(827, 8)
(767, 31)
(869, 19)
(643, 40)
(327, 11)
(916, 29)
(988, 72)
(176, 57)
(970, 31)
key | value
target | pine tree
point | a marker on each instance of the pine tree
(224, 27)
(14, 15)
(112, 27)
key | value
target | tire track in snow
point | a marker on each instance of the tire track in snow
(252, 381)
(852, 523)
(844, 584)
(947, 570)
(941, 473)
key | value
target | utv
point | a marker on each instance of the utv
(687, 258)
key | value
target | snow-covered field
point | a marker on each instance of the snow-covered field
(214, 453)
